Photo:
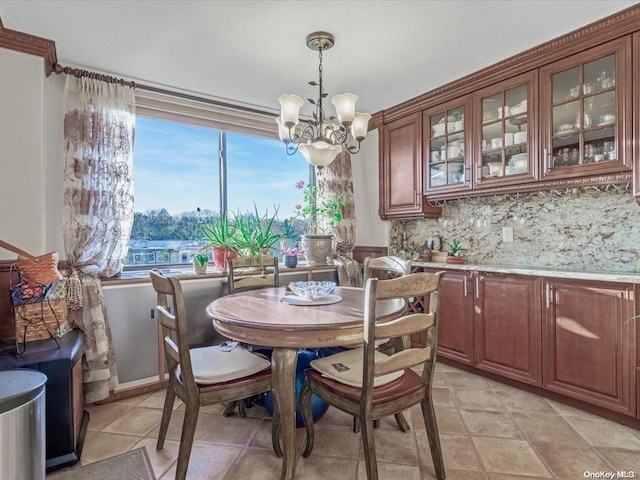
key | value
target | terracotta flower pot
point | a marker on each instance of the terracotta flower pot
(454, 260)
(220, 256)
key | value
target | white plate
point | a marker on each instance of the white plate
(326, 300)
(602, 124)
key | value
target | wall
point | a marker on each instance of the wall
(370, 230)
(587, 230)
(22, 196)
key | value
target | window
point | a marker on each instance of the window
(187, 171)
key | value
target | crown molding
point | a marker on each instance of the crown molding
(25, 43)
(610, 28)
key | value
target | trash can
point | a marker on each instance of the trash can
(22, 425)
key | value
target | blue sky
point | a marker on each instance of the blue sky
(176, 167)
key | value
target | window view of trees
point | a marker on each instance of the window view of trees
(177, 187)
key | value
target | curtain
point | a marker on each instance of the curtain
(337, 178)
(98, 212)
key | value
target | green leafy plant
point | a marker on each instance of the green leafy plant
(318, 208)
(255, 233)
(455, 248)
(200, 258)
(221, 232)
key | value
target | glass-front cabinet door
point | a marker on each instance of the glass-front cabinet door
(584, 112)
(446, 145)
(505, 150)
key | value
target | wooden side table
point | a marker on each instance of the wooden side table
(66, 419)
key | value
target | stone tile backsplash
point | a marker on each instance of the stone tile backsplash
(586, 229)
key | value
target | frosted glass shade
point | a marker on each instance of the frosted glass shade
(320, 154)
(360, 125)
(290, 106)
(345, 107)
(283, 131)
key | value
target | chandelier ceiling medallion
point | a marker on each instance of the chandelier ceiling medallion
(321, 139)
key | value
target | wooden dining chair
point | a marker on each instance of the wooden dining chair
(369, 384)
(199, 376)
(389, 266)
(250, 273)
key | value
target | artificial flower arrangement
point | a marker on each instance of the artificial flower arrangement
(316, 204)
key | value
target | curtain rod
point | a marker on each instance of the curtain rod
(76, 72)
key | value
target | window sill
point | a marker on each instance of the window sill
(186, 273)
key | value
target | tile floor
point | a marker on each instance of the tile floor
(488, 431)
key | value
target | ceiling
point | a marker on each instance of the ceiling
(249, 52)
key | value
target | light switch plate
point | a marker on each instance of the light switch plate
(507, 234)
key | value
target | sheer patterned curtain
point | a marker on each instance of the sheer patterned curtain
(98, 212)
(337, 178)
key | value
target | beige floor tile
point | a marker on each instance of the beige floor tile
(566, 410)
(137, 421)
(156, 400)
(466, 380)
(103, 445)
(175, 425)
(519, 401)
(447, 418)
(458, 452)
(477, 399)
(255, 464)
(395, 447)
(428, 473)
(516, 457)
(571, 461)
(100, 416)
(491, 424)
(621, 458)
(209, 462)
(505, 476)
(549, 428)
(333, 441)
(388, 470)
(228, 430)
(442, 396)
(326, 468)
(599, 431)
(161, 460)
(262, 438)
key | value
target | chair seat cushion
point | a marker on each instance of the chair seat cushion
(408, 384)
(212, 365)
(333, 367)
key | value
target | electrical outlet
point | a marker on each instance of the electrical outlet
(507, 234)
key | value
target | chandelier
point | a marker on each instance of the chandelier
(321, 139)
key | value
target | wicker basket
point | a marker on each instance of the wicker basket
(41, 321)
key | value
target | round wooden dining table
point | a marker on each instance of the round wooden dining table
(261, 317)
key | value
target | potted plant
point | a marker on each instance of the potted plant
(454, 252)
(219, 235)
(290, 257)
(255, 234)
(200, 261)
(321, 211)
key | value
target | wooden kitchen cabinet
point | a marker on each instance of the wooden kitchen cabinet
(455, 317)
(401, 185)
(589, 347)
(504, 146)
(447, 146)
(507, 326)
(585, 103)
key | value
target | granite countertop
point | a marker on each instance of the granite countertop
(621, 277)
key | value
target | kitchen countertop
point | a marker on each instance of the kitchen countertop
(539, 272)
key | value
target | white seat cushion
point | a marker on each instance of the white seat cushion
(352, 359)
(212, 365)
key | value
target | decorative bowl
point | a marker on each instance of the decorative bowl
(312, 290)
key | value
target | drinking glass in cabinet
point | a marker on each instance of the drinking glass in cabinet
(566, 85)
(600, 74)
(490, 107)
